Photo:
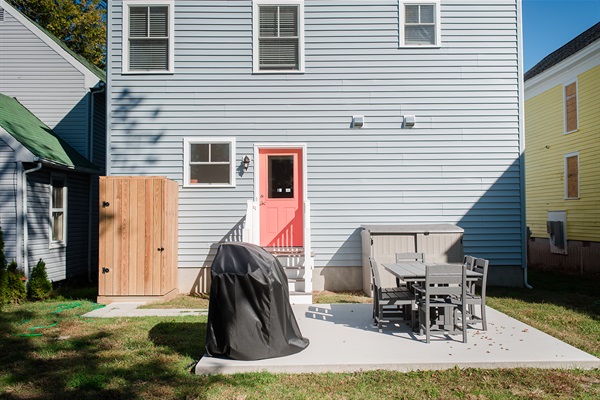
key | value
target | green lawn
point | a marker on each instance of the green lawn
(48, 351)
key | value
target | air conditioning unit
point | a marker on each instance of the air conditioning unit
(556, 227)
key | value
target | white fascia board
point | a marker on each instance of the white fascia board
(22, 153)
(566, 70)
(91, 80)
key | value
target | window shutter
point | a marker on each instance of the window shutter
(278, 40)
(148, 38)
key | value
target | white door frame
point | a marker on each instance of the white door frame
(279, 145)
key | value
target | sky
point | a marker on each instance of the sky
(549, 24)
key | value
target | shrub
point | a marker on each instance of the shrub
(40, 287)
(16, 291)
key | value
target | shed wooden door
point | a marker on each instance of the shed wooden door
(138, 237)
(280, 198)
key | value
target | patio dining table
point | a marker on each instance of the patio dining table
(414, 271)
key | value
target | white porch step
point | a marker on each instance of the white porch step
(293, 261)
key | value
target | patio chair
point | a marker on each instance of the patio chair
(473, 299)
(439, 300)
(469, 262)
(390, 304)
(400, 257)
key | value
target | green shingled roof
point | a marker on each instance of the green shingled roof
(34, 135)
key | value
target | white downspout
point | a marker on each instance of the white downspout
(521, 83)
(91, 158)
(25, 230)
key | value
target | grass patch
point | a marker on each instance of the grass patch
(566, 307)
(197, 301)
(146, 358)
(327, 297)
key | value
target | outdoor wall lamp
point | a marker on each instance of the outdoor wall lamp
(246, 162)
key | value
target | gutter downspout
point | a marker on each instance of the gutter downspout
(521, 84)
(25, 229)
(91, 136)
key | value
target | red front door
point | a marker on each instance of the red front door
(280, 197)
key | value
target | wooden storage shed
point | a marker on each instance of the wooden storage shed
(138, 239)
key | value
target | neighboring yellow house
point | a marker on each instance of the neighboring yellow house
(562, 156)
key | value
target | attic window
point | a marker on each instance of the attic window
(148, 33)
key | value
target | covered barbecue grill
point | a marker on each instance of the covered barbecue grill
(249, 314)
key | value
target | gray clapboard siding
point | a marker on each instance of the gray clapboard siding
(44, 82)
(460, 164)
(8, 206)
(61, 262)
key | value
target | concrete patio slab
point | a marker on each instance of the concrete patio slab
(343, 339)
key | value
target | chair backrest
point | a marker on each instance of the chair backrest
(410, 257)
(481, 266)
(469, 262)
(445, 280)
(375, 273)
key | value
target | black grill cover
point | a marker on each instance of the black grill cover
(249, 314)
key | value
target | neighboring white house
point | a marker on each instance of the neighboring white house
(291, 123)
(52, 149)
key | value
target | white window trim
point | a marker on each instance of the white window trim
(568, 155)
(255, 32)
(125, 35)
(187, 141)
(564, 97)
(59, 243)
(438, 27)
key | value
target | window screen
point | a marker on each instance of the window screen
(148, 38)
(419, 24)
(278, 38)
(210, 163)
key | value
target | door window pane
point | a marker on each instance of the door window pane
(281, 177)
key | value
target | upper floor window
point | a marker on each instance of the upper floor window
(570, 107)
(278, 35)
(209, 162)
(58, 211)
(420, 23)
(572, 176)
(148, 36)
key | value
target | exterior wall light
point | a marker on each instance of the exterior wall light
(246, 162)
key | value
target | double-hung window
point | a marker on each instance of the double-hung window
(58, 211)
(570, 91)
(278, 35)
(209, 162)
(148, 36)
(572, 176)
(420, 23)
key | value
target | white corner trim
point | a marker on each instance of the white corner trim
(91, 80)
